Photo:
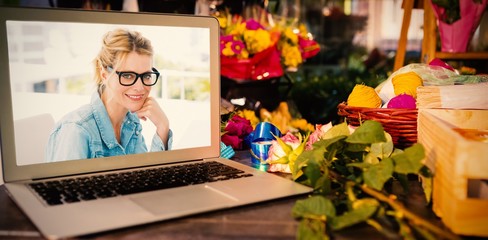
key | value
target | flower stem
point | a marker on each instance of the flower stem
(398, 207)
(408, 214)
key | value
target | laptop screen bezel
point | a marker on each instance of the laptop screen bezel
(14, 172)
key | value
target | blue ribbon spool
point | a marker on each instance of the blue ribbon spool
(260, 140)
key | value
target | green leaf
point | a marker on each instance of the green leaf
(286, 148)
(337, 130)
(332, 151)
(369, 132)
(410, 161)
(357, 147)
(292, 157)
(427, 186)
(325, 143)
(317, 207)
(362, 210)
(311, 230)
(317, 155)
(382, 150)
(323, 184)
(360, 165)
(371, 158)
(313, 172)
(403, 180)
(427, 178)
(377, 175)
(282, 160)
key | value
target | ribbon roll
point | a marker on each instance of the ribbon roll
(226, 151)
(260, 140)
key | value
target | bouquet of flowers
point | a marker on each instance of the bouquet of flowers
(240, 124)
(257, 49)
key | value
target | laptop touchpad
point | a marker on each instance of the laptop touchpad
(181, 201)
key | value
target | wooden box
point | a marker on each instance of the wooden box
(457, 152)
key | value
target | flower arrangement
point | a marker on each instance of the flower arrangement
(240, 123)
(257, 49)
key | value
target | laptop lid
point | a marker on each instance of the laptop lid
(46, 71)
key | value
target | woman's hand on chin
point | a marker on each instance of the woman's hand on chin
(152, 111)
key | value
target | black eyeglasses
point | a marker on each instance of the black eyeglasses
(130, 78)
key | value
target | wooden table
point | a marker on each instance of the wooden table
(268, 220)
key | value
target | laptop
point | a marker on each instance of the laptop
(46, 72)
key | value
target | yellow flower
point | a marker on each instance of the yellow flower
(303, 31)
(239, 29)
(227, 51)
(249, 115)
(244, 54)
(290, 36)
(260, 34)
(291, 55)
(302, 124)
(222, 21)
(257, 40)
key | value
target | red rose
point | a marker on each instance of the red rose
(238, 126)
(231, 140)
(236, 130)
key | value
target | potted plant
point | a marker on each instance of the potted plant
(457, 20)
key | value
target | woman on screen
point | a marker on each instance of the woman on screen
(110, 124)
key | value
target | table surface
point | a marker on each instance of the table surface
(267, 220)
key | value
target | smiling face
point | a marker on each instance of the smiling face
(120, 99)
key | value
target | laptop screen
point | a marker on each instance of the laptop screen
(52, 75)
(62, 112)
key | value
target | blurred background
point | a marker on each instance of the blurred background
(358, 42)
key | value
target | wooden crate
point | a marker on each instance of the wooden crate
(460, 164)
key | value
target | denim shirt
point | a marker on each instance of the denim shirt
(88, 133)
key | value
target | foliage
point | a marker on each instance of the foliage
(348, 173)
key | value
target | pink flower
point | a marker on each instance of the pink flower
(237, 47)
(320, 130)
(284, 151)
(236, 130)
(320, 133)
(309, 48)
(252, 24)
(238, 126)
(224, 40)
(231, 140)
(440, 63)
(279, 167)
(276, 151)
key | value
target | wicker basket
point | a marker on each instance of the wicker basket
(401, 124)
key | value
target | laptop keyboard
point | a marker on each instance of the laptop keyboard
(87, 188)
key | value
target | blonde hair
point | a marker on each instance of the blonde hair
(116, 45)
